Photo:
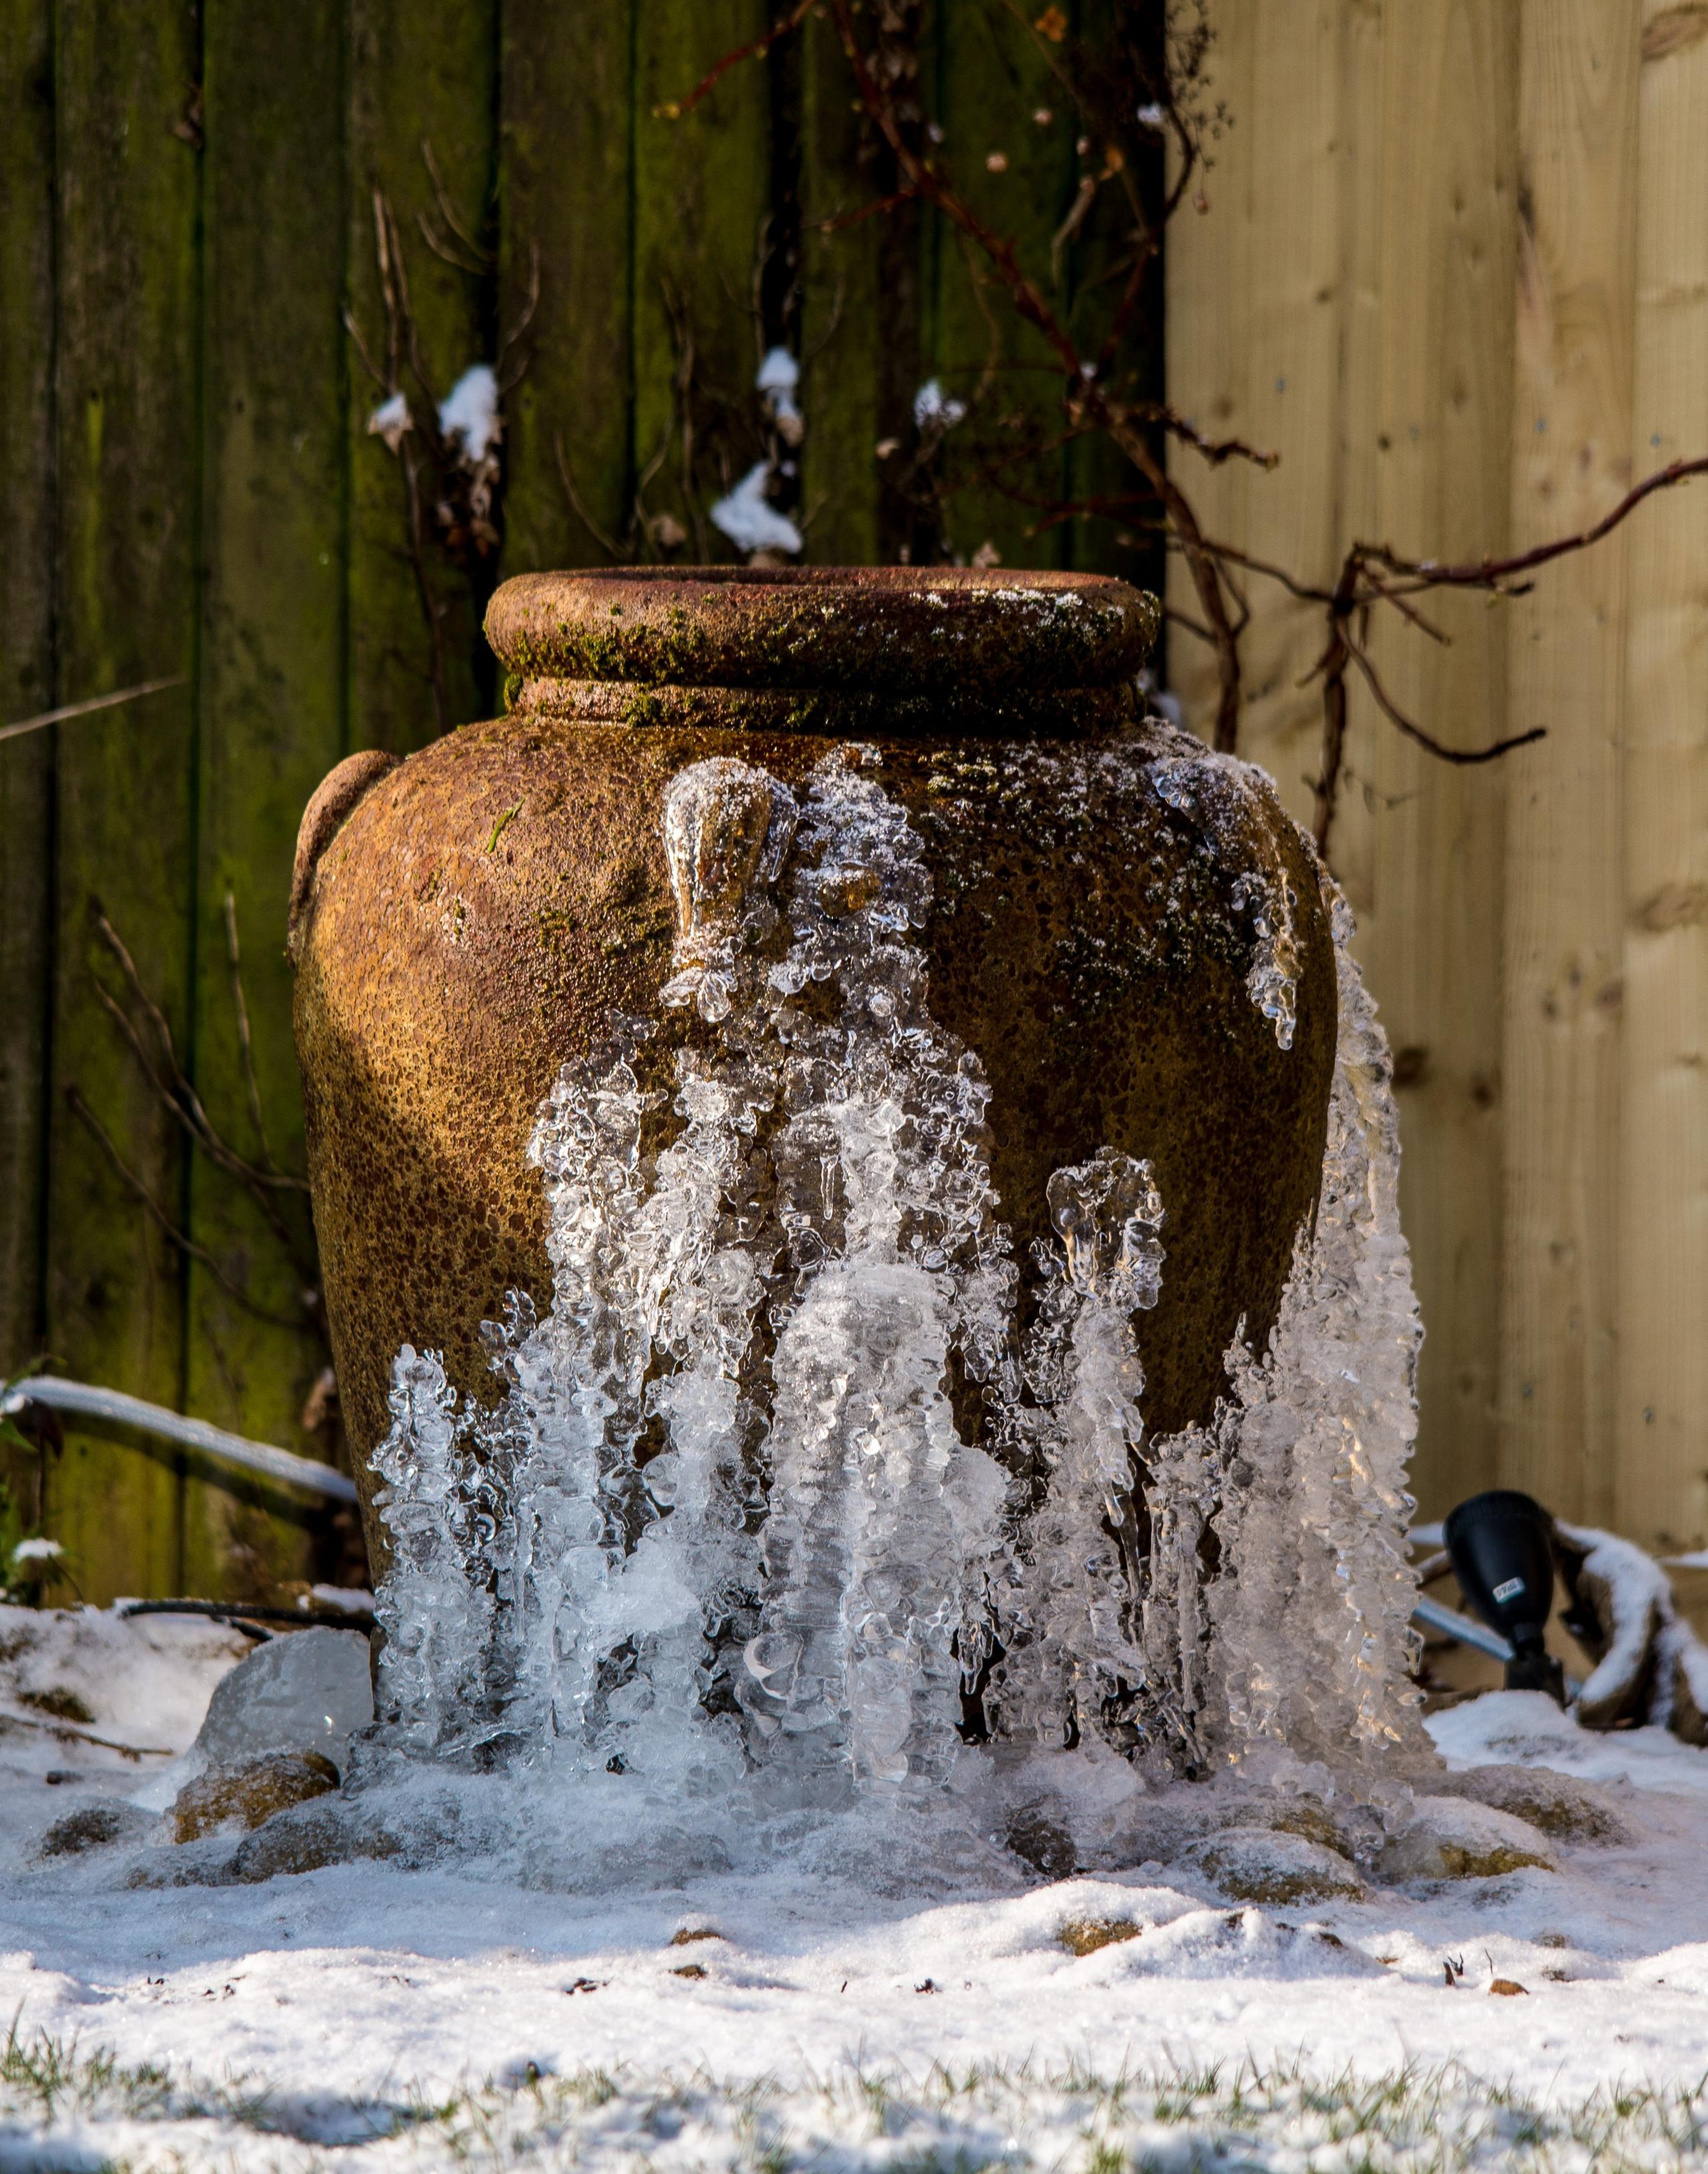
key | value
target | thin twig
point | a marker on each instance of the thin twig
(244, 1043)
(525, 317)
(70, 710)
(1439, 748)
(675, 109)
(185, 1244)
(606, 542)
(1487, 573)
(447, 210)
(68, 1731)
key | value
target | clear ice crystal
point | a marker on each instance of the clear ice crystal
(1298, 1659)
(1235, 802)
(1069, 1630)
(729, 1527)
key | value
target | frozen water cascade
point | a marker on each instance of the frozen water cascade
(1068, 1629)
(1296, 1657)
(724, 1534)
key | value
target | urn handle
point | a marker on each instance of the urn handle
(334, 800)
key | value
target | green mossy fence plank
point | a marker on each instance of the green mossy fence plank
(26, 654)
(1019, 174)
(702, 197)
(271, 688)
(418, 87)
(127, 410)
(1095, 263)
(565, 199)
(861, 281)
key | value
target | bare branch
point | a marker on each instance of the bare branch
(675, 109)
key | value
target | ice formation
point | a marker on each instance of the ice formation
(1300, 1667)
(725, 1531)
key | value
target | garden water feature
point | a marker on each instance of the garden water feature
(805, 1499)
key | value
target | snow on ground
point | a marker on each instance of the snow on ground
(369, 2015)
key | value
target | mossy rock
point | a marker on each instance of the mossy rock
(1569, 1810)
(1261, 1865)
(247, 1792)
(1085, 1936)
(1452, 1838)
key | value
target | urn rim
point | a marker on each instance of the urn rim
(975, 634)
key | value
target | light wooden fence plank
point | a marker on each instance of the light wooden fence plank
(26, 654)
(128, 129)
(702, 189)
(1661, 1491)
(418, 88)
(1254, 336)
(271, 684)
(1566, 901)
(565, 194)
(1430, 466)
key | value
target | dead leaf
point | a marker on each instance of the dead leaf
(1507, 1987)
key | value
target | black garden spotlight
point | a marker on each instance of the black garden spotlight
(1500, 1544)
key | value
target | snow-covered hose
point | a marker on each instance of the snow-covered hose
(114, 1406)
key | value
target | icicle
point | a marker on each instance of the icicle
(1311, 1645)
(1073, 1641)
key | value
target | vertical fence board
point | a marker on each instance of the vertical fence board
(272, 668)
(860, 314)
(1254, 351)
(564, 192)
(126, 406)
(1019, 176)
(415, 88)
(1571, 439)
(702, 192)
(1661, 1496)
(1436, 464)
(26, 673)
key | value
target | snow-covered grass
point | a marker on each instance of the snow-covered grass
(461, 2012)
(60, 2108)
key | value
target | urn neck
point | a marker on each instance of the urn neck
(887, 650)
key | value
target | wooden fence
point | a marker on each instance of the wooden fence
(1451, 263)
(1455, 269)
(187, 209)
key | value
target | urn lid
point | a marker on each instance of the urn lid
(815, 646)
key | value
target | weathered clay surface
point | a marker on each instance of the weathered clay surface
(488, 907)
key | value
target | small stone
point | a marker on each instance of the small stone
(1569, 1809)
(304, 1838)
(249, 1791)
(690, 1933)
(95, 1826)
(1312, 1822)
(1450, 1838)
(1085, 1936)
(305, 1691)
(1036, 1840)
(688, 1970)
(1256, 1865)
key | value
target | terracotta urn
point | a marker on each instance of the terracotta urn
(1125, 933)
